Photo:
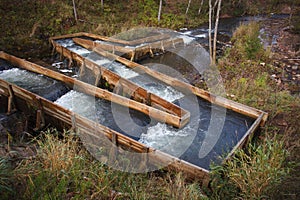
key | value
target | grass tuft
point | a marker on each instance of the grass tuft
(251, 173)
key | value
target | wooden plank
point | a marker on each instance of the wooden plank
(88, 127)
(131, 53)
(139, 94)
(97, 130)
(185, 87)
(157, 37)
(163, 115)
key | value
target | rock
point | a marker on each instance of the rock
(295, 67)
(262, 64)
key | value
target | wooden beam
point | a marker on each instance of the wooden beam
(166, 112)
(11, 105)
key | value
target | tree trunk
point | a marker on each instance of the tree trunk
(188, 7)
(200, 8)
(209, 32)
(102, 5)
(213, 43)
(159, 10)
(75, 12)
(216, 30)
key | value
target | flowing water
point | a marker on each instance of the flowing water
(36, 83)
(210, 134)
(142, 80)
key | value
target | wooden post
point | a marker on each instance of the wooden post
(148, 99)
(40, 120)
(11, 107)
(132, 55)
(82, 70)
(162, 46)
(113, 151)
(150, 50)
(173, 44)
(98, 76)
(73, 120)
(61, 53)
(145, 159)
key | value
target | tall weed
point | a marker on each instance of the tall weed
(251, 173)
(5, 178)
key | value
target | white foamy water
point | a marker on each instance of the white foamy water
(80, 50)
(187, 39)
(101, 61)
(23, 78)
(118, 68)
(66, 70)
(168, 93)
(69, 43)
(152, 85)
(170, 140)
(204, 35)
(79, 103)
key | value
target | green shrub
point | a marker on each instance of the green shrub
(247, 44)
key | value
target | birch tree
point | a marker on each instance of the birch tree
(159, 10)
(74, 9)
(209, 31)
(213, 43)
(188, 7)
(200, 8)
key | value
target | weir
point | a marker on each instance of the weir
(197, 113)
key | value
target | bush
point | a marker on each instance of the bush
(247, 45)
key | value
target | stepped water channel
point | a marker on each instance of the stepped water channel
(208, 122)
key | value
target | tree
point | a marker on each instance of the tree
(188, 7)
(213, 44)
(159, 10)
(200, 8)
(75, 12)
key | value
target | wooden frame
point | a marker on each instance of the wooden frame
(157, 156)
(180, 85)
(152, 45)
(29, 102)
(259, 115)
(145, 102)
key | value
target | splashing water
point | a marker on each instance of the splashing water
(36, 83)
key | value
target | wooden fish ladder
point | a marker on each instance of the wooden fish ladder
(259, 116)
(47, 111)
(142, 100)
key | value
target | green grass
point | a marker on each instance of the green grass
(5, 178)
(63, 169)
(252, 172)
(256, 171)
